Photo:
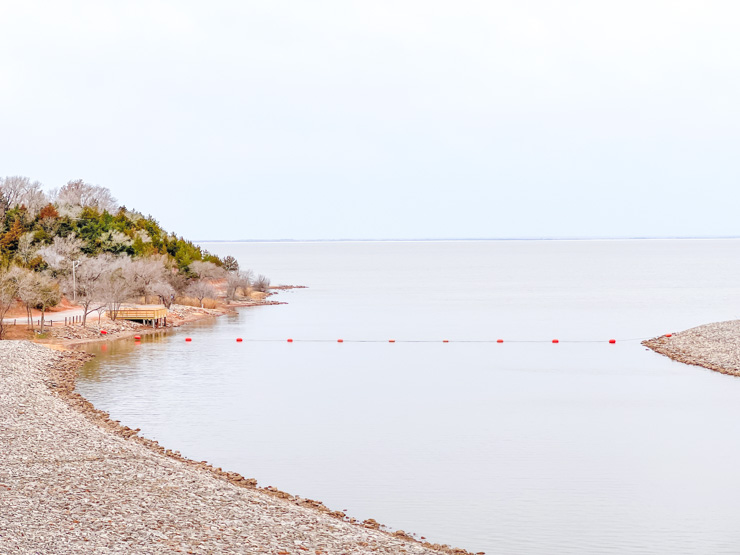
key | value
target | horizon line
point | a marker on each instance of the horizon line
(461, 239)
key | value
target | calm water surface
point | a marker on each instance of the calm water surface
(579, 447)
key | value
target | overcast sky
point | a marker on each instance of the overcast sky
(383, 119)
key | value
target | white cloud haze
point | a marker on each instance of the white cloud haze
(340, 119)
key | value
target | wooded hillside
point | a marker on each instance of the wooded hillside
(77, 241)
(32, 219)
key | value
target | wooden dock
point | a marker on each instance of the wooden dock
(156, 315)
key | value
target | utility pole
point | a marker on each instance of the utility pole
(75, 263)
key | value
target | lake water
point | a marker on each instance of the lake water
(521, 447)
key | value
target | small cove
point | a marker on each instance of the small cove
(519, 447)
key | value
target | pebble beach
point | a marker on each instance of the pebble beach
(72, 481)
(714, 346)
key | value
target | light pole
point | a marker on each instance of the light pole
(75, 263)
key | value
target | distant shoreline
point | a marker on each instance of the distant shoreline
(467, 240)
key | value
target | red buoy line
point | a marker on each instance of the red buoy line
(554, 341)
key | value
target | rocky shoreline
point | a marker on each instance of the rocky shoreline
(714, 346)
(72, 480)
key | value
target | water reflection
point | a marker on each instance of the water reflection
(120, 348)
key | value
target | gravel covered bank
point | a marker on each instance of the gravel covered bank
(714, 346)
(71, 481)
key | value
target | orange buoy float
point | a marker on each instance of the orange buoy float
(239, 339)
(499, 341)
(340, 340)
(391, 341)
(555, 341)
(612, 341)
(188, 339)
(290, 341)
(137, 337)
(668, 334)
(445, 341)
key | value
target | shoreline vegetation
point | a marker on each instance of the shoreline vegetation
(713, 346)
(72, 479)
(78, 243)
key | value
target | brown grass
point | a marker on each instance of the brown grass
(18, 332)
(191, 301)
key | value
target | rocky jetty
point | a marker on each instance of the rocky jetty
(714, 346)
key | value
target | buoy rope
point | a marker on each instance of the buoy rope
(442, 340)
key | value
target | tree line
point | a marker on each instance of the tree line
(77, 241)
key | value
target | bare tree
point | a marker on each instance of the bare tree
(62, 257)
(165, 292)
(117, 285)
(60, 254)
(47, 294)
(26, 251)
(79, 193)
(101, 310)
(90, 283)
(206, 270)
(201, 289)
(26, 282)
(34, 201)
(37, 290)
(177, 280)
(8, 295)
(235, 281)
(261, 283)
(17, 190)
(146, 273)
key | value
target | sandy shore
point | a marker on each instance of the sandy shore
(713, 346)
(72, 481)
